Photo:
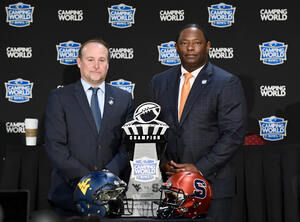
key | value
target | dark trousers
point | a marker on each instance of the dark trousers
(62, 202)
(220, 210)
(63, 212)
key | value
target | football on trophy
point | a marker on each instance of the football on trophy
(146, 112)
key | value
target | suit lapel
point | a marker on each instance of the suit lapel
(199, 85)
(173, 90)
(84, 105)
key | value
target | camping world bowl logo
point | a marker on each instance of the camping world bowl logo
(273, 128)
(121, 16)
(273, 52)
(18, 90)
(67, 52)
(145, 169)
(124, 84)
(19, 15)
(168, 54)
(221, 15)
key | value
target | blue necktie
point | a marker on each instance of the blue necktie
(95, 108)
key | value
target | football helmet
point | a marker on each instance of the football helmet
(100, 193)
(186, 194)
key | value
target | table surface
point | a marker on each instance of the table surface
(153, 219)
(268, 182)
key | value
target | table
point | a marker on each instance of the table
(27, 168)
(132, 219)
(268, 181)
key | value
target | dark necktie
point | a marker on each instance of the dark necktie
(95, 108)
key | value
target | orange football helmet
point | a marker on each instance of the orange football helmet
(187, 194)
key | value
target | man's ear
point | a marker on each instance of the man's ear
(208, 45)
(176, 47)
(78, 62)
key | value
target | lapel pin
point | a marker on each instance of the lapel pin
(111, 101)
(204, 81)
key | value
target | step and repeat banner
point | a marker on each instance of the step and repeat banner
(255, 40)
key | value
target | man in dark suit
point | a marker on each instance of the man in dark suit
(83, 126)
(209, 129)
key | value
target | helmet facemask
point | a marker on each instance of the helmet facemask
(185, 194)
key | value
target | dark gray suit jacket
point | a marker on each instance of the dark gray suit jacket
(212, 126)
(73, 144)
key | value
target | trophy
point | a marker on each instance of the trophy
(146, 135)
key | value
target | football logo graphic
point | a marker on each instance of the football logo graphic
(146, 112)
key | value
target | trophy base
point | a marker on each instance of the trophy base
(140, 207)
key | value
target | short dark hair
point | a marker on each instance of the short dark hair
(96, 40)
(193, 25)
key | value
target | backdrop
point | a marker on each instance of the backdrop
(255, 40)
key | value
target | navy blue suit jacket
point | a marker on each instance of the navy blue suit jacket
(73, 144)
(212, 125)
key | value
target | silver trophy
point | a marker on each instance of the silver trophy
(146, 133)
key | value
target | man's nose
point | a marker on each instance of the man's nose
(190, 46)
(97, 64)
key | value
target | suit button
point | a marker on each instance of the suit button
(95, 168)
(99, 147)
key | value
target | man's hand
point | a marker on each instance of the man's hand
(183, 167)
(171, 167)
(167, 168)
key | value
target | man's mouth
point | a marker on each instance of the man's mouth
(190, 55)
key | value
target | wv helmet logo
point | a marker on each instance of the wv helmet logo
(19, 15)
(84, 185)
(124, 84)
(273, 128)
(221, 15)
(67, 52)
(18, 90)
(168, 54)
(137, 187)
(273, 52)
(121, 16)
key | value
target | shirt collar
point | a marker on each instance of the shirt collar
(87, 86)
(194, 73)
